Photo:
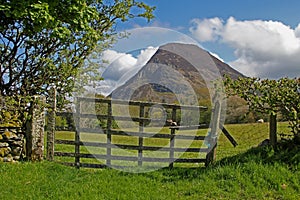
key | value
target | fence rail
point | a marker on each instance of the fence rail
(140, 151)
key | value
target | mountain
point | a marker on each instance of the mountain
(176, 73)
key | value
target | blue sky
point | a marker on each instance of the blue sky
(260, 38)
(180, 12)
(177, 14)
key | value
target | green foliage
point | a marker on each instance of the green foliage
(13, 111)
(49, 42)
(46, 42)
(61, 123)
(236, 110)
(270, 96)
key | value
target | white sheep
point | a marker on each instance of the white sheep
(260, 121)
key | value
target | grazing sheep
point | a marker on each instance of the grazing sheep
(260, 121)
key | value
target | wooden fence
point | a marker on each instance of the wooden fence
(101, 143)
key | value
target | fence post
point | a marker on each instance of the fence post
(172, 140)
(108, 133)
(141, 130)
(51, 125)
(35, 129)
(77, 133)
(273, 129)
(212, 151)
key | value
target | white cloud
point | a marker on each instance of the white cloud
(206, 29)
(120, 67)
(118, 64)
(297, 31)
(139, 38)
(263, 48)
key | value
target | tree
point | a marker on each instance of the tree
(270, 96)
(46, 42)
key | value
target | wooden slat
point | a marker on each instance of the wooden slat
(132, 147)
(119, 118)
(190, 137)
(138, 103)
(111, 157)
(97, 156)
(125, 158)
(64, 154)
(228, 135)
(195, 150)
(144, 134)
(68, 142)
(190, 160)
(163, 160)
(192, 127)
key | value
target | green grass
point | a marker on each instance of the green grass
(247, 136)
(244, 172)
(246, 180)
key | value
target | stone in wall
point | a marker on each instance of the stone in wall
(11, 145)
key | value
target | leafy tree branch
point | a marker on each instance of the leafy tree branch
(46, 42)
(270, 96)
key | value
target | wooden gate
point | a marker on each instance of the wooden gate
(105, 137)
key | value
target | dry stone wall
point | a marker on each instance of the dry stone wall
(12, 141)
(11, 144)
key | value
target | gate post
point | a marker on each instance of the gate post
(213, 138)
(77, 133)
(51, 124)
(172, 140)
(35, 129)
(141, 130)
(273, 129)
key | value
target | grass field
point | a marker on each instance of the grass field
(243, 172)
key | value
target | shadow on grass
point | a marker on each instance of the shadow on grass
(285, 154)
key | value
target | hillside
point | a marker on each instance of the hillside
(176, 72)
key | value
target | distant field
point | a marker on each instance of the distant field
(247, 136)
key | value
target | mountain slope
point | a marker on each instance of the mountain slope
(176, 73)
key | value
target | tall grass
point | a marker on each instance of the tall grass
(250, 180)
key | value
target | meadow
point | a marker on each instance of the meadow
(243, 172)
